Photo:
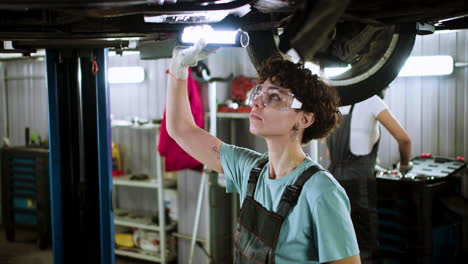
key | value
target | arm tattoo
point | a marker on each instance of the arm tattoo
(215, 149)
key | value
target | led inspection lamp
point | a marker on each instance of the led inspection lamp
(218, 38)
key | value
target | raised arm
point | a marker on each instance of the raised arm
(179, 120)
(400, 135)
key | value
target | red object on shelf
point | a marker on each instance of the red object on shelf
(244, 109)
(426, 155)
(222, 108)
(241, 109)
(461, 159)
(241, 85)
(117, 173)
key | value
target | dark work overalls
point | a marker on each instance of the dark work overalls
(356, 175)
(258, 229)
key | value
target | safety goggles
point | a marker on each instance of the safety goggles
(274, 97)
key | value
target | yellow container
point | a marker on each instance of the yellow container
(124, 240)
(116, 158)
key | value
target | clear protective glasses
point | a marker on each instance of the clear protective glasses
(274, 97)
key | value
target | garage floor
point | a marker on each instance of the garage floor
(25, 251)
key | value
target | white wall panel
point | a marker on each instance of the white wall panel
(447, 97)
(3, 104)
(413, 117)
(430, 106)
(144, 100)
(462, 97)
(432, 109)
(26, 93)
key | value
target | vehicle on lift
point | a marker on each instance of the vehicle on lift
(374, 37)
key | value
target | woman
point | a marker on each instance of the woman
(292, 210)
(353, 151)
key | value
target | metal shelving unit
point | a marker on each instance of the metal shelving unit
(139, 219)
(144, 220)
(142, 254)
(126, 180)
(232, 115)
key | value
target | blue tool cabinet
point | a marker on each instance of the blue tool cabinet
(25, 192)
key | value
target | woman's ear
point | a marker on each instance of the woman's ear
(307, 120)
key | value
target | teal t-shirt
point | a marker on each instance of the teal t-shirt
(317, 229)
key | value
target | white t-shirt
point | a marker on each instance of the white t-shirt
(364, 125)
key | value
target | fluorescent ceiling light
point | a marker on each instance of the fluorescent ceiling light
(414, 66)
(427, 65)
(126, 74)
(448, 31)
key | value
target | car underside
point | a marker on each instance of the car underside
(373, 37)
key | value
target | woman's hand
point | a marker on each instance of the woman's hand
(183, 57)
(404, 168)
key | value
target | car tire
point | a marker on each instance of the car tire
(382, 73)
(261, 46)
(357, 88)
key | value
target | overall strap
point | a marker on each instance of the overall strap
(253, 179)
(292, 192)
(351, 110)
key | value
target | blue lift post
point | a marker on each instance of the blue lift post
(80, 156)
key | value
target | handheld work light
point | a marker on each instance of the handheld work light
(222, 38)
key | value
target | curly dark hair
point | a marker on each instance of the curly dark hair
(316, 96)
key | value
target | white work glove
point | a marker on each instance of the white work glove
(182, 58)
(404, 168)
